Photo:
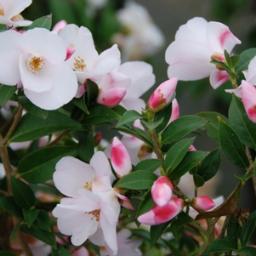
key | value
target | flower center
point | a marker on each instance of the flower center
(95, 214)
(79, 64)
(35, 64)
(17, 18)
(88, 185)
(1, 10)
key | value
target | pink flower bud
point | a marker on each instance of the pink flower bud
(162, 95)
(192, 148)
(111, 97)
(59, 26)
(162, 214)
(120, 158)
(161, 190)
(175, 111)
(203, 203)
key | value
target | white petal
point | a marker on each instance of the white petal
(141, 75)
(17, 6)
(101, 165)
(9, 57)
(133, 104)
(64, 89)
(250, 74)
(218, 78)
(71, 175)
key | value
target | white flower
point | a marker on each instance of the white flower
(91, 205)
(36, 58)
(96, 4)
(10, 12)
(142, 37)
(196, 42)
(85, 60)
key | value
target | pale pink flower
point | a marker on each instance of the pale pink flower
(175, 110)
(161, 190)
(203, 203)
(91, 204)
(162, 95)
(10, 12)
(120, 158)
(189, 56)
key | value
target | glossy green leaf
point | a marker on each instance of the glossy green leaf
(232, 146)
(248, 229)
(33, 127)
(239, 122)
(128, 118)
(6, 93)
(42, 22)
(245, 58)
(137, 180)
(181, 128)
(22, 193)
(149, 164)
(221, 245)
(38, 166)
(176, 153)
(30, 216)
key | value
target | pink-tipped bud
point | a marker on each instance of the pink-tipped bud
(59, 26)
(203, 203)
(111, 97)
(161, 190)
(162, 95)
(175, 111)
(120, 158)
(70, 51)
(192, 148)
(162, 214)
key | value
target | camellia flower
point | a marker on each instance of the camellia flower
(138, 41)
(10, 12)
(91, 207)
(39, 65)
(196, 43)
(162, 95)
(120, 158)
(247, 91)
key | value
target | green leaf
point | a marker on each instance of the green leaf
(6, 253)
(42, 22)
(232, 146)
(248, 229)
(239, 122)
(245, 57)
(191, 161)
(176, 153)
(220, 246)
(32, 127)
(6, 93)
(149, 164)
(210, 165)
(22, 193)
(7, 204)
(137, 180)
(181, 128)
(128, 118)
(157, 231)
(145, 205)
(247, 251)
(38, 166)
(30, 216)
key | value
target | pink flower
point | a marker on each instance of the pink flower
(203, 203)
(162, 95)
(189, 56)
(162, 214)
(120, 158)
(175, 110)
(161, 190)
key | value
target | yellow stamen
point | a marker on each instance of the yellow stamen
(1, 10)
(17, 18)
(79, 64)
(88, 185)
(35, 64)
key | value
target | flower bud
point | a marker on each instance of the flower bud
(161, 190)
(120, 158)
(162, 95)
(203, 203)
(162, 214)
(111, 97)
(175, 110)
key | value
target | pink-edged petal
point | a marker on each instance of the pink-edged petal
(99, 162)
(162, 214)
(63, 90)
(71, 175)
(218, 78)
(111, 97)
(161, 190)
(162, 95)
(59, 26)
(120, 158)
(9, 57)
(175, 114)
(142, 78)
(203, 203)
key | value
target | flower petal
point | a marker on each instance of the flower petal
(218, 78)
